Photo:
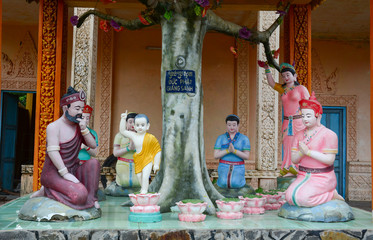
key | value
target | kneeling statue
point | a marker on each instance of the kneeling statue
(313, 195)
(63, 178)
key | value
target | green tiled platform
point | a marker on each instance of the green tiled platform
(114, 225)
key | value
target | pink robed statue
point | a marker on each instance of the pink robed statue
(314, 149)
(291, 93)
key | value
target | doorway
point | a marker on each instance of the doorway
(334, 118)
(17, 136)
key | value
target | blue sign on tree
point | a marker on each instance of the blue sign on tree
(180, 81)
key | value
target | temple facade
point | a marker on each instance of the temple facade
(121, 71)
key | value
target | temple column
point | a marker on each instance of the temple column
(104, 100)
(297, 42)
(84, 57)
(267, 110)
(48, 77)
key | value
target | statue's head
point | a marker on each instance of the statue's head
(233, 123)
(141, 123)
(311, 111)
(87, 113)
(288, 73)
(130, 121)
(72, 104)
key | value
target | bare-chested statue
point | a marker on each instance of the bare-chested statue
(63, 178)
(148, 150)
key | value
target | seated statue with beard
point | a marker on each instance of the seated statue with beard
(63, 179)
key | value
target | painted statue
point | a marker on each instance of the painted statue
(148, 150)
(232, 149)
(124, 150)
(314, 149)
(63, 178)
(291, 93)
(86, 153)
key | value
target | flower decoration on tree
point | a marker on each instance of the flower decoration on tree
(244, 32)
(281, 8)
(201, 7)
(203, 3)
(117, 27)
(104, 25)
(74, 20)
(234, 51)
(276, 53)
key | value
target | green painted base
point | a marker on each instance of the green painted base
(145, 217)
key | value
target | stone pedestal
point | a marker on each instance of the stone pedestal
(332, 211)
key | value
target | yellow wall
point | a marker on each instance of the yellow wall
(12, 37)
(351, 59)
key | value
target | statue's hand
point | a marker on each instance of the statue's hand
(82, 123)
(231, 148)
(124, 115)
(132, 145)
(303, 148)
(70, 177)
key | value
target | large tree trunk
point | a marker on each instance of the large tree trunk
(183, 172)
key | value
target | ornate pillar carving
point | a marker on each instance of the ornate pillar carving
(84, 57)
(105, 93)
(298, 42)
(242, 87)
(267, 100)
(48, 77)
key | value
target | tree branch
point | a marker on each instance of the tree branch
(220, 25)
(128, 24)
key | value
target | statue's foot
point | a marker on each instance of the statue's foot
(143, 191)
(336, 196)
(284, 171)
(39, 193)
(97, 205)
(293, 171)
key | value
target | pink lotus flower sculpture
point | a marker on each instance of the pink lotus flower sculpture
(191, 212)
(230, 208)
(253, 205)
(144, 199)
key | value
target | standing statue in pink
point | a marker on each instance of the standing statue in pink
(63, 179)
(291, 93)
(314, 149)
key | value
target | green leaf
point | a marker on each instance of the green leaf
(227, 200)
(198, 10)
(194, 201)
(167, 15)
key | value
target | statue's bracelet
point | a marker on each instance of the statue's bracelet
(85, 131)
(62, 171)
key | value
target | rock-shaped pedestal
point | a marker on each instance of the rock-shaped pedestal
(235, 192)
(118, 191)
(44, 209)
(284, 182)
(332, 211)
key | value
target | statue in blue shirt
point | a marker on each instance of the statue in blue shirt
(232, 149)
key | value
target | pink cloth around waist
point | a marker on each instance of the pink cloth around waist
(125, 160)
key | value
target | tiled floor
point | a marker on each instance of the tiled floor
(116, 217)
